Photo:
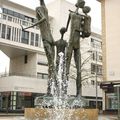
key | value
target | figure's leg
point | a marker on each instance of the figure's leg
(68, 58)
(77, 58)
(51, 70)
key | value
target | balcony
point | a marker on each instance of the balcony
(28, 83)
(14, 41)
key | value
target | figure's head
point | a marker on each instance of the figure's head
(62, 30)
(80, 3)
(86, 9)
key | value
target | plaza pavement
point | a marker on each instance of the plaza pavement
(101, 117)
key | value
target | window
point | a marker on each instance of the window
(4, 17)
(9, 18)
(3, 31)
(93, 56)
(92, 82)
(16, 14)
(42, 75)
(99, 69)
(100, 58)
(12, 33)
(112, 102)
(24, 23)
(8, 32)
(93, 68)
(96, 69)
(19, 35)
(5, 10)
(22, 16)
(32, 39)
(25, 37)
(96, 43)
(36, 40)
(15, 34)
(42, 63)
(10, 12)
(25, 59)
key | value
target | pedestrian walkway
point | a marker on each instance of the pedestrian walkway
(107, 117)
(12, 118)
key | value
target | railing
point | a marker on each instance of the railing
(17, 36)
(16, 20)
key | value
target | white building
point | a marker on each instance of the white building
(28, 64)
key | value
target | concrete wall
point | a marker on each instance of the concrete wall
(111, 36)
(18, 65)
(29, 84)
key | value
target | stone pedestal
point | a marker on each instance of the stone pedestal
(33, 113)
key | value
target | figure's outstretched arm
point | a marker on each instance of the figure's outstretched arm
(68, 22)
(42, 2)
(40, 21)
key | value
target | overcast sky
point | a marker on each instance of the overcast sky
(95, 14)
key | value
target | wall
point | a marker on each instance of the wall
(111, 42)
(19, 67)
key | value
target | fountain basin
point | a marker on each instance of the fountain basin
(44, 113)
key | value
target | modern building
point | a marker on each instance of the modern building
(111, 49)
(28, 76)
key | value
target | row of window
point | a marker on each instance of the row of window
(18, 15)
(16, 34)
(17, 20)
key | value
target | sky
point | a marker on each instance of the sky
(95, 14)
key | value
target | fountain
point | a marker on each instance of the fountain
(56, 104)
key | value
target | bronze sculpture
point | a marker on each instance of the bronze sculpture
(78, 29)
(47, 38)
(60, 46)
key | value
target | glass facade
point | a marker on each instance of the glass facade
(10, 101)
(112, 100)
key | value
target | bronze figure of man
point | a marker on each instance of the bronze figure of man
(47, 38)
(76, 31)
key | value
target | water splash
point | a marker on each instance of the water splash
(63, 106)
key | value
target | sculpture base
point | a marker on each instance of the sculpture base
(43, 113)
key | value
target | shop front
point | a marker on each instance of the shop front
(17, 101)
(111, 96)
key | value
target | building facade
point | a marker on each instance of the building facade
(111, 64)
(28, 72)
